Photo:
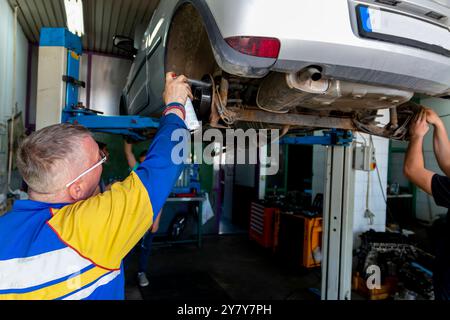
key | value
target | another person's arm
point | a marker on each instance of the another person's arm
(155, 225)
(106, 227)
(441, 143)
(414, 167)
(129, 155)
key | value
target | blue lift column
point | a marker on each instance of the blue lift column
(60, 54)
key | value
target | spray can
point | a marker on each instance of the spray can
(191, 120)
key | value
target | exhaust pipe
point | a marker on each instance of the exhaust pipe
(308, 80)
(310, 88)
(281, 92)
(313, 73)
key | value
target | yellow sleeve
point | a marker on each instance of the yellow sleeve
(106, 227)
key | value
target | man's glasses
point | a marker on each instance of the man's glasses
(102, 161)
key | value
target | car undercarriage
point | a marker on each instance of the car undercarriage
(231, 102)
(295, 102)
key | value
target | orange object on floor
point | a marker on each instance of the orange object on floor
(298, 238)
(312, 241)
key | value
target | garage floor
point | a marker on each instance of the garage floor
(226, 267)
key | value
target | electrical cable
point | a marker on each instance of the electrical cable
(381, 187)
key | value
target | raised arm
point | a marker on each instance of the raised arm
(441, 143)
(129, 155)
(414, 167)
(159, 171)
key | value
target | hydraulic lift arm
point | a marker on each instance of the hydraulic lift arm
(58, 90)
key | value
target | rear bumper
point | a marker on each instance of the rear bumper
(425, 73)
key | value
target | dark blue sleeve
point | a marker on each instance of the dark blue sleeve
(159, 172)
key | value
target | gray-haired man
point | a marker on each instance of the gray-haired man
(65, 243)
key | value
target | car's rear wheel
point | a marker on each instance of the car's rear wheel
(188, 48)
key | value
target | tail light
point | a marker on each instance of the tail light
(256, 46)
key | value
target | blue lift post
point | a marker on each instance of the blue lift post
(73, 111)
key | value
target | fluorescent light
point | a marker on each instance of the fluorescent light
(74, 13)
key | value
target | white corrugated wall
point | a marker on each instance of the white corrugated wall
(6, 78)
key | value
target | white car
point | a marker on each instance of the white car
(295, 64)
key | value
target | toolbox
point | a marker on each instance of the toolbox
(262, 224)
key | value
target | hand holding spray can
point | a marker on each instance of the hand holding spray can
(191, 119)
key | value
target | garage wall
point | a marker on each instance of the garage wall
(6, 76)
(108, 77)
(376, 202)
(376, 194)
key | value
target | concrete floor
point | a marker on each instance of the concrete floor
(232, 263)
(231, 266)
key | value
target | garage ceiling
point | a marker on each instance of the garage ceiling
(102, 19)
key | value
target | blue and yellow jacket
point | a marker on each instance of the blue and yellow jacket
(75, 251)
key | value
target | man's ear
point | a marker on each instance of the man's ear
(76, 191)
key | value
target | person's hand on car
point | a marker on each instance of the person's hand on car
(419, 126)
(177, 89)
(432, 117)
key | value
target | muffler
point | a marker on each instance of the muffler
(281, 92)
